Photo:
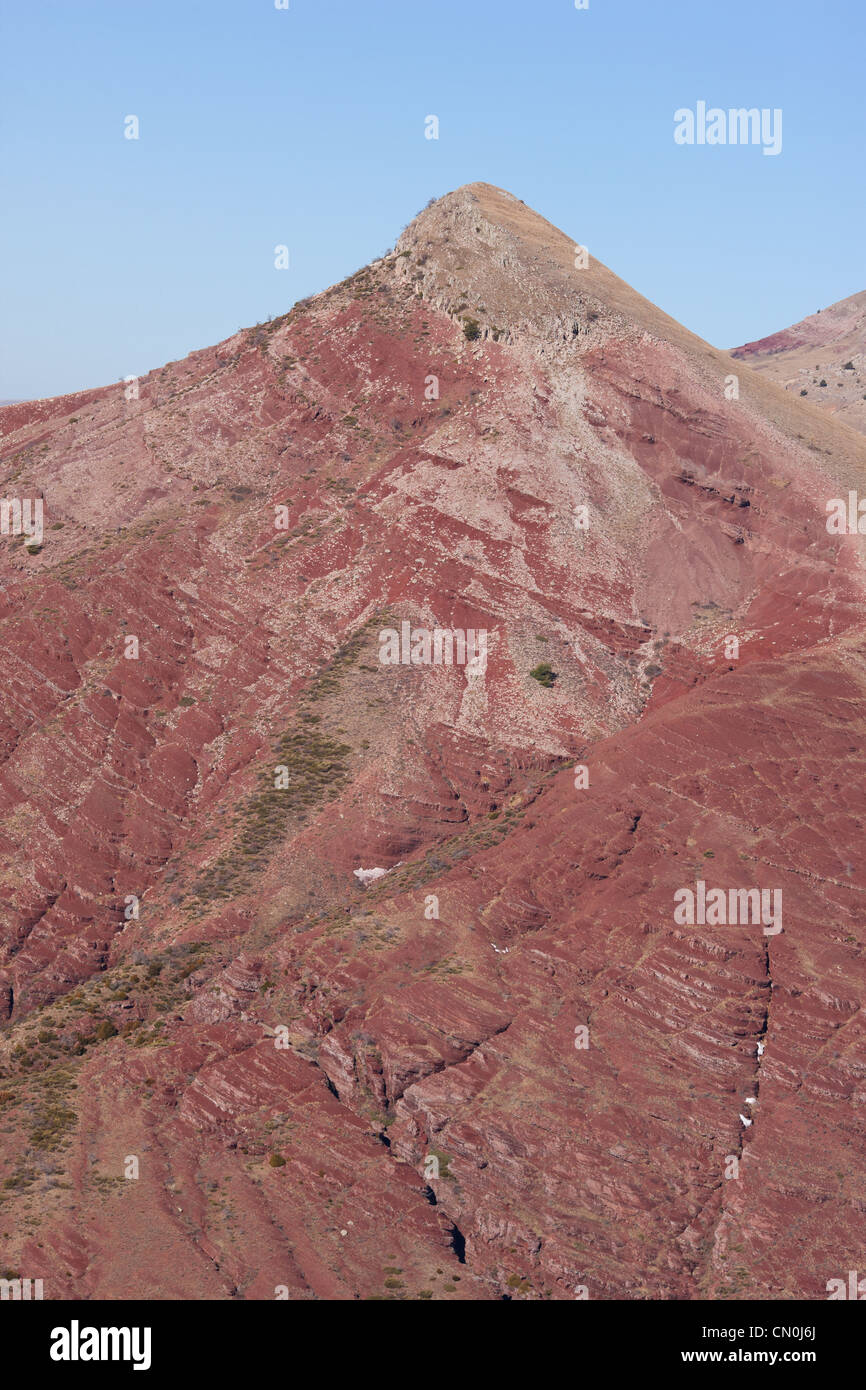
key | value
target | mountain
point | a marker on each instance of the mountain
(823, 358)
(233, 1059)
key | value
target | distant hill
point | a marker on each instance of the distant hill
(822, 358)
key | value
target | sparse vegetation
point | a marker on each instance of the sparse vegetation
(54, 1118)
(317, 772)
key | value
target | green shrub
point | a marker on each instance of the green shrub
(544, 674)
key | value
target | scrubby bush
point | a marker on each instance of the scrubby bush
(544, 674)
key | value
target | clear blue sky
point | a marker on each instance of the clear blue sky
(305, 127)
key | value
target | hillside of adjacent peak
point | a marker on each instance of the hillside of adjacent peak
(376, 1092)
(823, 358)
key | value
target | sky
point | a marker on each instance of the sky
(305, 127)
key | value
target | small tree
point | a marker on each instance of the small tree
(544, 674)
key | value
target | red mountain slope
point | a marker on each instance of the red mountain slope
(341, 1091)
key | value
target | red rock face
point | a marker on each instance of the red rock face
(504, 1068)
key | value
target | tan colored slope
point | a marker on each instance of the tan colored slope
(518, 275)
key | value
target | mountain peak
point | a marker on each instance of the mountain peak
(516, 272)
(511, 269)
